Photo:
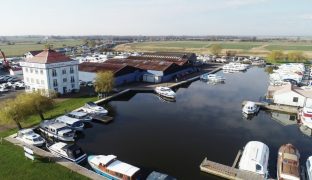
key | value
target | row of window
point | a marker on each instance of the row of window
(34, 70)
(55, 83)
(71, 71)
(32, 80)
(65, 88)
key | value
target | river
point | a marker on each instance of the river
(205, 121)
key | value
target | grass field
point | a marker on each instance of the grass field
(13, 165)
(21, 48)
(202, 47)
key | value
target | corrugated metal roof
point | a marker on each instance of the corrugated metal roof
(145, 65)
(96, 67)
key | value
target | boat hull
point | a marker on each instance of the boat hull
(100, 172)
(78, 160)
(54, 136)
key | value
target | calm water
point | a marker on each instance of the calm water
(206, 121)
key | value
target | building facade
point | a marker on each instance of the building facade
(51, 71)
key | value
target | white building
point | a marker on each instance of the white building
(50, 70)
(293, 96)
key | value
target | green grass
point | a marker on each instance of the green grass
(289, 47)
(13, 165)
(19, 49)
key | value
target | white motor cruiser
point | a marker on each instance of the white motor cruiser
(250, 108)
(28, 136)
(165, 91)
(71, 152)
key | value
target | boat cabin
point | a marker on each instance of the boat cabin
(71, 122)
(255, 158)
(79, 115)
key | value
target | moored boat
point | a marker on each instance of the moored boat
(255, 158)
(71, 152)
(57, 130)
(91, 107)
(288, 166)
(159, 176)
(28, 136)
(111, 168)
(305, 117)
(165, 91)
(250, 108)
(212, 77)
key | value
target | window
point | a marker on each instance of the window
(42, 82)
(72, 79)
(31, 70)
(41, 71)
(37, 81)
(73, 86)
(64, 80)
(27, 79)
(64, 71)
(295, 99)
(36, 71)
(55, 82)
(26, 69)
(32, 80)
(55, 89)
(54, 73)
(71, 70)
(258, 167)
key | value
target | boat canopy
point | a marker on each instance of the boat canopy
(123, 168)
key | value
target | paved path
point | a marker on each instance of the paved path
(68, 164)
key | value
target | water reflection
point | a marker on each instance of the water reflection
(284, 118)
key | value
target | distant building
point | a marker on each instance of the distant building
(49, 70)
(123, 73)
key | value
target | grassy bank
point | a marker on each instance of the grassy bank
(13, 165)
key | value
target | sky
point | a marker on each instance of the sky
(156, 17)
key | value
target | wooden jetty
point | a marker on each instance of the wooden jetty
(276, 107)
(45, 154)
(227, 172)
(102, 118)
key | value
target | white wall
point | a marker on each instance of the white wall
(287, 99)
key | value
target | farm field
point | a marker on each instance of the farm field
(19, 48)
(202, 47)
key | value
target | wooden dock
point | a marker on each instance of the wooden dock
(102, 118)
(227, 172)
(275, 107)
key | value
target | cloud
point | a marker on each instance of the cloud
(239, 3)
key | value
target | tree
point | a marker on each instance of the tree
(15, 110)
(231, 53)
(215, 49)
(276, 56)
(40, 103)
(104, 82)
(296, 56)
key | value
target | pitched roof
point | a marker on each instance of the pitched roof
(145, 65)
(96, 67)
(34, 53)
(48, 56)
(174, 59)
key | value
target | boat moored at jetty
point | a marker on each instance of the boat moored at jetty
(305, 117)
(111, 168)
(255, 158)
(57, 130)
(71, 152)
(165, 91)
(28, 136)
(82, 116)
(212, 77)
(288, 165)
(72, 123)
(92, 108)
(250, 108)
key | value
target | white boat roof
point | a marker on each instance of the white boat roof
(307, 110)
(67, 119)
(101, 159)
(250, 103)
(77, 113)
(58, 145)
(123, 168)
(54, 124)
(26, 131)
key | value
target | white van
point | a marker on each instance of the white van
(255, 158)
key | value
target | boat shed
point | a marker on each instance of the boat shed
(156, 71)
(293, 96)
(123, 73)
